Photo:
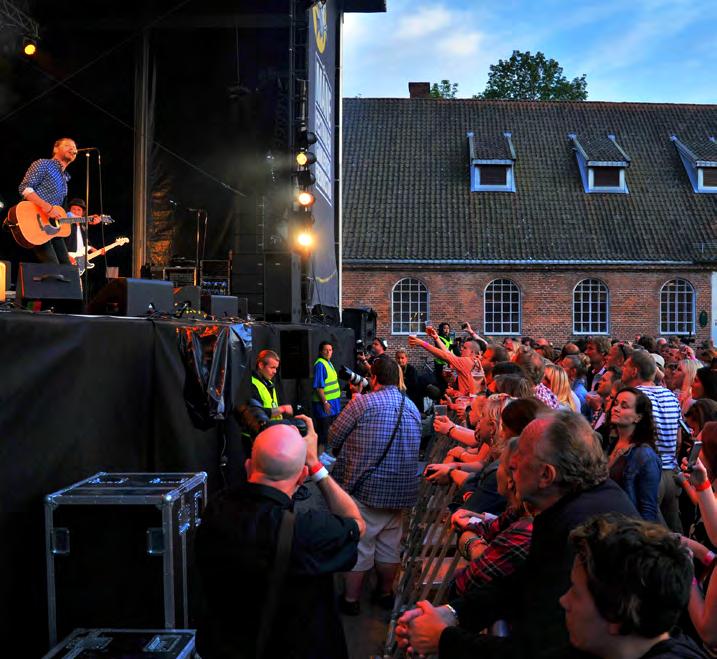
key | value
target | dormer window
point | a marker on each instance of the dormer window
(602, 164)
(700, 160)
(492, 163)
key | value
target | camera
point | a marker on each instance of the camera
(254, 418)
(464, 326)
(346, 374)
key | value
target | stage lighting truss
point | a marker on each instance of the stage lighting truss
(21, 23)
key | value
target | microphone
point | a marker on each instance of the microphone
(88, 148)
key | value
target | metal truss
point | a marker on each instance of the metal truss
(12, 17)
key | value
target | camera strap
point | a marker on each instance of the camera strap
(281, 564)
(360, 481)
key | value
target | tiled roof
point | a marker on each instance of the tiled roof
(701, 150)
(490, 147)
(406, 183)
(600, 148)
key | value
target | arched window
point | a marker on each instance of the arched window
(590, 307)
(677, 307)
(409, 307)
(501, 307)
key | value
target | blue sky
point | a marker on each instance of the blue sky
(630, 50)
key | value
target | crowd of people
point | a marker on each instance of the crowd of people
(584, 510)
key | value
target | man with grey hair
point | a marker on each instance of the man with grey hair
(237, 543)
(560, 473)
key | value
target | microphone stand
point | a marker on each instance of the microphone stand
(85, 237)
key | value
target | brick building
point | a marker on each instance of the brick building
(554, 219)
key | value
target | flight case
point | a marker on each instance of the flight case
(119, 550)
(125, 644)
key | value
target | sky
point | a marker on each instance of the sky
(630, 50)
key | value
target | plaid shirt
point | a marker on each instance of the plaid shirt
(360, 434)
(47, 178)
(508, 539)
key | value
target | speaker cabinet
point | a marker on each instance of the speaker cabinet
(133, 297)
(362, 321)
(282, 288)
(295, 355)
(221, 306)
(187, 296)
(53, 286)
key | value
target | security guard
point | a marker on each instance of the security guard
(444, 337)
(326, 398)
(263, 388)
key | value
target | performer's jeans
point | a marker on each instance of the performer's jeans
(54, 251)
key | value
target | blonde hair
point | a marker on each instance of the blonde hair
(493, 410)
(560, 385)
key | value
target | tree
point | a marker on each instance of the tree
(532, 78)
(444, 89)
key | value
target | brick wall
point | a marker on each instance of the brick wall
(546, 297)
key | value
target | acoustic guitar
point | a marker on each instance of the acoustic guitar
(31, 226)
(81, 259)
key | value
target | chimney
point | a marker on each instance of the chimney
(419, 89)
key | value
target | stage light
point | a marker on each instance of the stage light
(29, 46)
(305, 158)
(305, 199)
(305, 239)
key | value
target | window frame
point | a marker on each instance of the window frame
(666, 328)
(510, 332)
(422, 323)
(509, 186)
(592, 331)
(619, 189)
(701, 187)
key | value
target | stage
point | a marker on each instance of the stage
(82, 394)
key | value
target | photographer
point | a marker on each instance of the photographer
(236, 555)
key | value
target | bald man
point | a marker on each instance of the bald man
(236, 545)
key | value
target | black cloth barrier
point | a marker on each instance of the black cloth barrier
(82, 394)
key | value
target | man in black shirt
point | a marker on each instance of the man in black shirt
(236, 545)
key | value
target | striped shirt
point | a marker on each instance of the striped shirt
(360, 435)
(666, 412)
(46, 178)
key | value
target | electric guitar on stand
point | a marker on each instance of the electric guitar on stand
(31, 226)
(80, 259)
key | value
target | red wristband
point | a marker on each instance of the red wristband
(703, 486)
(316, 468)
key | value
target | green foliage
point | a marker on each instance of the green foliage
(532, 78)
(444, 89)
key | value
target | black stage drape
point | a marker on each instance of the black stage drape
(83, 394)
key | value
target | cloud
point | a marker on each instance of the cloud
(460, 44)
(423, 22)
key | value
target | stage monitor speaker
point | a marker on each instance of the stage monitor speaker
(282, 292)
(326, 315)
(295, 354)
(133, 297)
(362, 321)
(220, 306)
(54, 286)
(187, 296)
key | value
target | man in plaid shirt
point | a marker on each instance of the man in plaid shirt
(382, 490)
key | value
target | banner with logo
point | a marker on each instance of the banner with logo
(322, 119)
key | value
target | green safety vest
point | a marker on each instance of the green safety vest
(332, 390)
(447, 343)
(268, 399)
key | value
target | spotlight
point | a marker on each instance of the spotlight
(305, 199)
(305, 239)
(304, 158)
(29, 46)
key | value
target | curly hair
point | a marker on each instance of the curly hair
(638, 573)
